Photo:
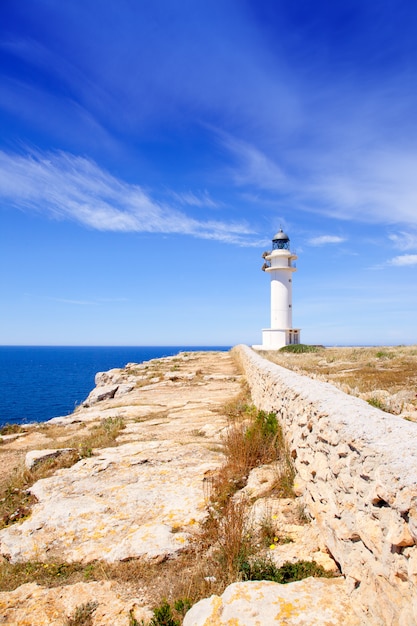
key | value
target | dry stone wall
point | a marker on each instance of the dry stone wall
(357, 472)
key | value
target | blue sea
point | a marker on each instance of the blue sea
(38, 383)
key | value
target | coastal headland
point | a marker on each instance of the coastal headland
(105, 510)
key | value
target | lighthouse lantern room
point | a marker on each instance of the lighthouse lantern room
(279, 264)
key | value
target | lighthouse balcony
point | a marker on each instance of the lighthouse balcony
(274, 267)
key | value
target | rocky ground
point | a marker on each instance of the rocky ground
(104, 540)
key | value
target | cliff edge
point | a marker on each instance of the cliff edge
(116, 503)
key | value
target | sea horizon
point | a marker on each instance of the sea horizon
(41, 382)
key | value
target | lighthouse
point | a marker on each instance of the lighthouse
(279, 264)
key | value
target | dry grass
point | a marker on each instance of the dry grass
(198, 432)
(206, 567)
(51, 574)
(11, 429)
(83, 615)
(358, 371)
(253, 438)
(15, 498)
(234, 537)
(102, 435)
(214, 558)
(193, 574)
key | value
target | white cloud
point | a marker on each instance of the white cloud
(254, 167)
(369, 185)
(199, 199)
(325, 239)
(65, 186)
(403, 259)
(95, 302)
(77, 302)
(404, 240)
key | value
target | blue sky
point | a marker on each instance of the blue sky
(149, 151)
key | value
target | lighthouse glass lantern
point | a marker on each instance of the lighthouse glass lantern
(279, 264)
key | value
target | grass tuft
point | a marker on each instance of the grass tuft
(163, 616)
(300, 348)
(269, 534)
(83, 615)
(377, 403)
(11, 429)
(253, 438)
(266, 569)
(16, 500)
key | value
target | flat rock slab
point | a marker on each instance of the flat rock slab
(309, 602)
(145, 496)
(137, 499)
(33, 457)
(31, 604)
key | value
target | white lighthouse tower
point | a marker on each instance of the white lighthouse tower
(279, 265)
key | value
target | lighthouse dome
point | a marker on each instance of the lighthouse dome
(281, 241)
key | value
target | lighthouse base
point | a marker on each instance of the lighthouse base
(276, 338)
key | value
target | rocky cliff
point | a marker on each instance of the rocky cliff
(126, 517)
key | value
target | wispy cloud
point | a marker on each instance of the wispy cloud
(254, 167)
(76, 302)
(403, 260)
(323, 240)
(200, 199)
(65, 186)
(94, 302)
(376, 185)
(371, 186)
(404, 240)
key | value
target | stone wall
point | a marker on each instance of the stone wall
(357, 471)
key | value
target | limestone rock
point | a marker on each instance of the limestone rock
(32, 604)
(396, 404)
(296, 541)
(309, 602)
(123, 389)
(143, 497)
(100, 393)
(137, 499)
(260, 481)
(33, 457)
(110, 377)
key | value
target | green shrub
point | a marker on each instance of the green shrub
(297, 348)
(266, 569)
(269, 534)
(247, 446)
(162, 616)
(267, 424)
(377, 403)
(382, 354)
(182, 605)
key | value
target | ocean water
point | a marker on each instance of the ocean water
(38, 383)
